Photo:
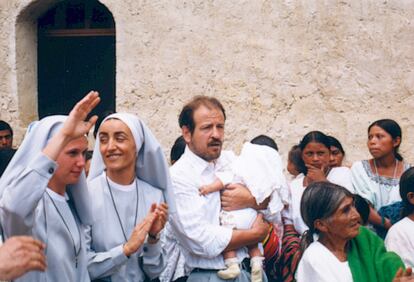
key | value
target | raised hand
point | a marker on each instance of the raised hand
(140, 232)
(19, 255)
(76, 126)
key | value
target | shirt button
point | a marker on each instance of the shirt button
(145, 249)
(51, 170)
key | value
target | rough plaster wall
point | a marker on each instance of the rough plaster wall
(281, 68)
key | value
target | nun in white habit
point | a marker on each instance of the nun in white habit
(43, 192)
(129, 182)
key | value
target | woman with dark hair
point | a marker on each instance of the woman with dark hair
(337, 152)
(400, 237)
(336, 247)
(315, 155)
(377, 179)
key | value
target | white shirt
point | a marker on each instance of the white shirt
(400, 239)
(196, 223)
(318, 264)
(338, 175)
(378, 190)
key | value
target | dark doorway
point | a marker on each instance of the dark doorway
(76, 54)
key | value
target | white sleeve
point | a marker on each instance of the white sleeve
(360, 184)
(22, 196)
(342, 176)
(398, 240)
(193, 231)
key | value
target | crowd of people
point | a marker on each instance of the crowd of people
(121, 213)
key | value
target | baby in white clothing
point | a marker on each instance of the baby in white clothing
(259, 168)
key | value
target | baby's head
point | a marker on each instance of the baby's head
(407, 191)
(265, 140)
(295, 164)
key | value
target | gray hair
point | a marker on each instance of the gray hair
(320, 201)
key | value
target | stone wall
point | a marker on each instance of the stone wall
(281, 68)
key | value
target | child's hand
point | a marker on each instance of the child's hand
(204, 190)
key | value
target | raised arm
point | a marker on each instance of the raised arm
(75, 125)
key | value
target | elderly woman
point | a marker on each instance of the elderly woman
(336, 247)
(128, 178)
(43, 192)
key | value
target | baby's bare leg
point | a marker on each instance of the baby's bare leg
(230, 254)
(217, 185)
(254, 251)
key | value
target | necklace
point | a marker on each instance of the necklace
(377, 176)
(76, 252)
(116, 210)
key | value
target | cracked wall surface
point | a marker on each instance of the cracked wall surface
(281, 68)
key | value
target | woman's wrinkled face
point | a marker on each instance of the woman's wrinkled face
(380, 143)
(336, 157)
(117, 145)
(345, 222)
(316, 154)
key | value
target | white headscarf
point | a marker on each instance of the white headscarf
(37, 136)
(151, 165)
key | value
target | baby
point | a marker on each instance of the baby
(259, 168)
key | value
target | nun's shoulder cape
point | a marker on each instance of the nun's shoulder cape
(37, 136)
(151, 165)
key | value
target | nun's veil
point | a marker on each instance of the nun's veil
(37, 136)
(151, 165)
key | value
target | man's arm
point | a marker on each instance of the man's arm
(236, 196)
(255, 234)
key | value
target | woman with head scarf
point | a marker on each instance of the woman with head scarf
(128, 178)
(43, 192)
(336, 247)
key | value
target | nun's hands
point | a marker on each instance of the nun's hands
(76, 126)
(140, 232)
(161, 217)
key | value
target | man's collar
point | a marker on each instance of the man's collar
(198, 163)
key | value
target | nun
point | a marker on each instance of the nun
(43, 192)
(130, 183)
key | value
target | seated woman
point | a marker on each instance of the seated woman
(377, 179)
(336, 247)
(400, 237)
(128, 178)
(315, 147)
(43, 192)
